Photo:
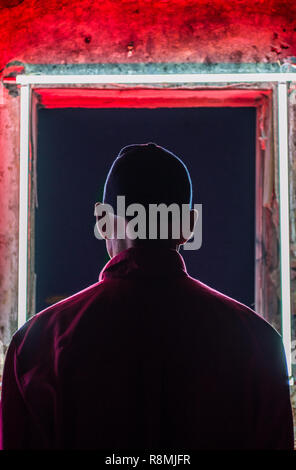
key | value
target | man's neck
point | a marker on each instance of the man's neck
(117, 246)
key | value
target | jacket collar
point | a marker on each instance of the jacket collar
(144, 262)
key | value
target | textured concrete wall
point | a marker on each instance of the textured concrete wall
(147, 31)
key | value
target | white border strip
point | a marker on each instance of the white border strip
(284, 220)
(32, 79)
(23, 204)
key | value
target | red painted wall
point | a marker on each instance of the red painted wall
(69, 31)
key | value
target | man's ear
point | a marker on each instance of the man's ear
(193, 216)
(193, 219)
(104, 221)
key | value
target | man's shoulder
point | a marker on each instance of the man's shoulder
(61, 312)
(230, 311)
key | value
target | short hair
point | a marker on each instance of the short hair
(148, 174)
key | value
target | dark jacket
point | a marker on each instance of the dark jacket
(146, 358)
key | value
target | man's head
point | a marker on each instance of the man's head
(147, 174)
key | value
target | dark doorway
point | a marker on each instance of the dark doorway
(75, 150)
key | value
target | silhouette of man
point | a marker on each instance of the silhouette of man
(148, 357)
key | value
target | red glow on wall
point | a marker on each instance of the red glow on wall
(146, 98)
(84, 31)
